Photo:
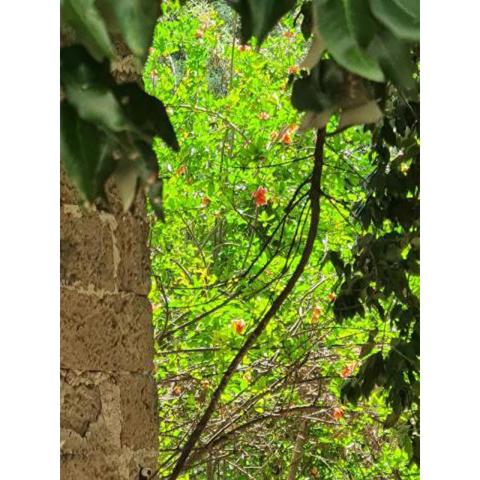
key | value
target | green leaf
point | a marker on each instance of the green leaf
(260, 16)
(340, 25)
(319, 90)
(87, 87)
(372, 373)
(147, 113)
(360, 18)
(84, 17)
(394, 56)
(350, 391)
(336, 261)
(147, 163)
(307, 96)
(402, 17)
(85, 153)
(307, 22)
(135, 19)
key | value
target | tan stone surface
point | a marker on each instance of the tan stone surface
(113, 333)
(139, 429)
(108, 415)
(68, 195)
(134, 262)
(86, 250)
(89, 467)
(80, 407)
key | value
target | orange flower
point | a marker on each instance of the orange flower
(288, 34)
(238, 325)
(293, 69)
(205, 201)
(244, 48)
(259, 195)
(286, 138)
(332, 297)
(177, 390)
(337, 413)
(316, 312)
(199, 33)
(263, 116)
(346, 371)
(181, 170)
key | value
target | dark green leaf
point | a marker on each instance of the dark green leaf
(84, 17)
(372, 373)
(350, 391)
(135, 19)
(147, 163)
(317, 91)
(88, 88)
(337, 262)
(402, 17)
(147, 113)
(307, 22)
(394, 57)
(84, 152)
(340, 26)
(260, 16)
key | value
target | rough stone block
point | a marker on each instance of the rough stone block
(112, 333)
(139, 413)
(134, 265)
(101, 434)
(80, 406)
(89, 467)
(68, 194)
(86, 251)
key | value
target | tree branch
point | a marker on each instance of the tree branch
(251, 339)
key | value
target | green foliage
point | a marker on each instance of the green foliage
(84, 150)
(83, 16)
(220, 257)
(402, 17)
(236, 207)
(106, 129)
(134, 19)
(346, 27)
(88, 87)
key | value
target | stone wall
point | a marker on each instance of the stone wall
(108, 395)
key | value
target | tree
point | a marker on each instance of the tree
(348, 77)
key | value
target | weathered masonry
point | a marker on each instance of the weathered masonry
(108, 395)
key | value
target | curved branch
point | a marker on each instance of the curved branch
(314, 193)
